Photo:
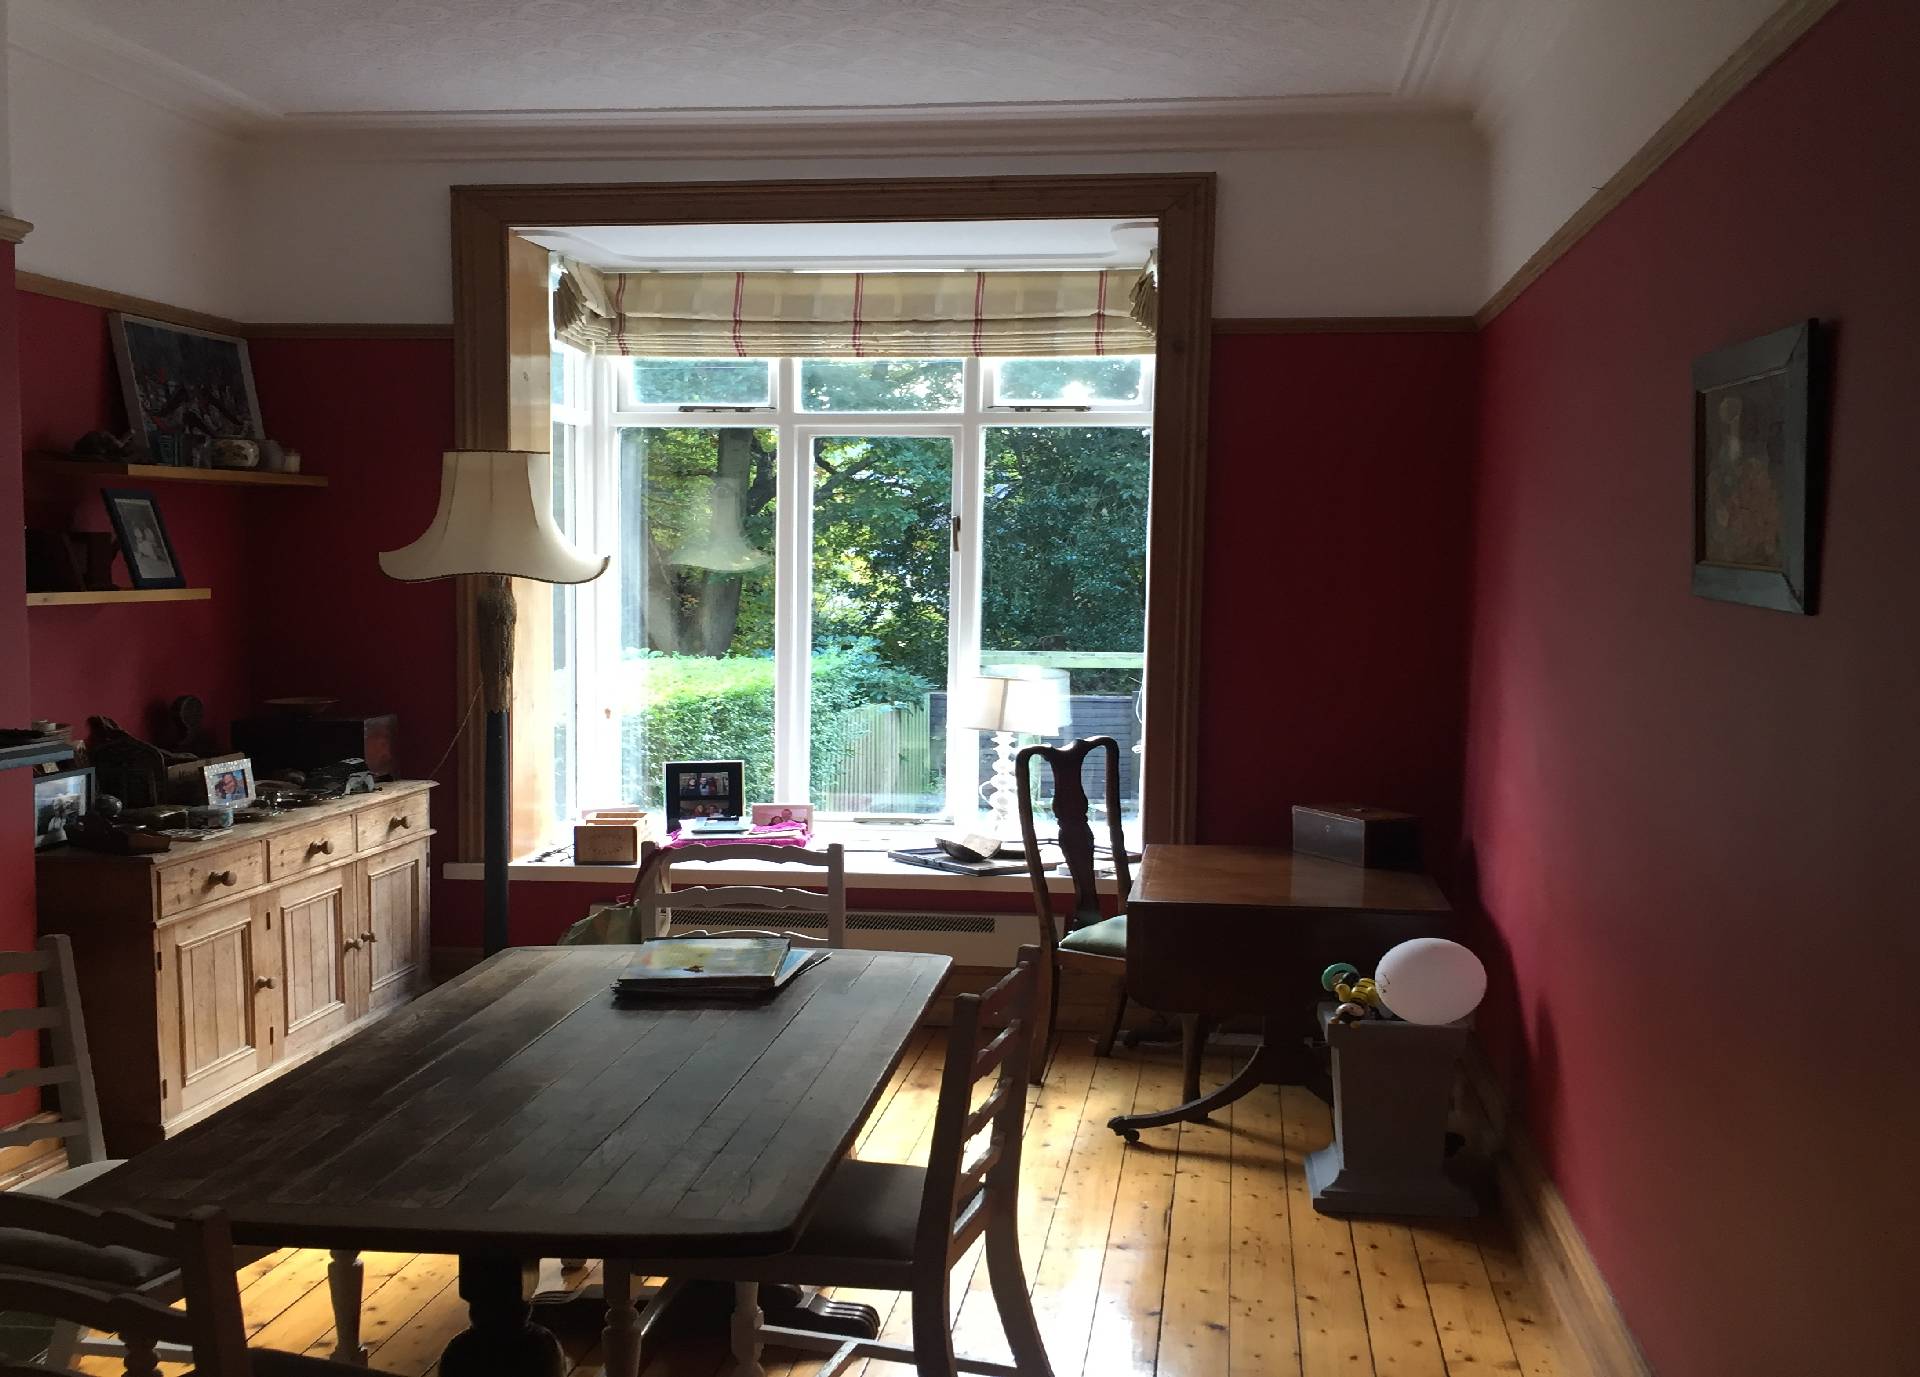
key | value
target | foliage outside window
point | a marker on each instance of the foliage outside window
(789, 586)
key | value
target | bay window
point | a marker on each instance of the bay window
(812, 557)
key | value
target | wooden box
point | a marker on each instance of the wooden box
(1377, 838)
(609, 836)
(286, 741)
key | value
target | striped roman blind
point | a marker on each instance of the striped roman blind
(855, 315)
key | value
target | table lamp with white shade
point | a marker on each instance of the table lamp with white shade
(1020, 702)
(495, 520)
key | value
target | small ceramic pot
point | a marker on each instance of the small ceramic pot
(273, 457)
(231, 453)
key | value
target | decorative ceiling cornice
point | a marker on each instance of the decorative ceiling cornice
(1119, 127)
(1429, 98)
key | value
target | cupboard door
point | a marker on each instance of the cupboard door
(216, 976)
(396, 937)
(320, 954)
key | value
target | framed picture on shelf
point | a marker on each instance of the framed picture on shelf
(60, 799)
(1758, 472)
(229, 782)
(144, 546)
(180, 382)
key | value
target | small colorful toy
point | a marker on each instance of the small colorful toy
(1346, 984)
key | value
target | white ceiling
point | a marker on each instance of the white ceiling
(962, 244)
(348, 57)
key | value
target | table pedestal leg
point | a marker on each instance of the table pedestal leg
(1274, 1062)
(501, 1339)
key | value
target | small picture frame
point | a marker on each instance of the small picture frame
(145, 547)
(229, 783)
(780, 814)
(704, 789)
(60, 799)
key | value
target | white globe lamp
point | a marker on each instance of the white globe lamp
(1431, 980)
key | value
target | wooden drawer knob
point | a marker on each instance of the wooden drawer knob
(368, 938)
(353, 944)
(264, 982)
(322, 848)
(222, 877)
(399, 822)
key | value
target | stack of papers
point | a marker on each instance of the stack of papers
(714, 967)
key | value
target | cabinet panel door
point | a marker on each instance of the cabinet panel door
(396, 927)
(216, 1025)
(319, 950)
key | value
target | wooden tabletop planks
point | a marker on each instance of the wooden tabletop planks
(519, 1108)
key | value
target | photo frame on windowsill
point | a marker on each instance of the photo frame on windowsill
(704, 789)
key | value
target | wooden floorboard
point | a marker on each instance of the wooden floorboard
(1195, 1253)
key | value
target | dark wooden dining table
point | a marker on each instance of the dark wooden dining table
(517, 1112)
(1245, 931)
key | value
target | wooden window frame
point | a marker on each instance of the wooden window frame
(502, 387)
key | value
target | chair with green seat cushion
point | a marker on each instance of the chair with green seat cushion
(1092, 942)
(1108, 937)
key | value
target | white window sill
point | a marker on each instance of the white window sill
(868, 868)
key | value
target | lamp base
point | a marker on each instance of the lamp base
(1003, 790)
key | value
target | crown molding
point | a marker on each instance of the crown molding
(1168, 126)
(44, 31)
(1768, 44)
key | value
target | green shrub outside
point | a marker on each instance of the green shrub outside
(697, 708)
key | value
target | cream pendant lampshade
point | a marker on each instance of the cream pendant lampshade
(495, 517)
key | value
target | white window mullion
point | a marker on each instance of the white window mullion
(599, 712)
(792, 598)
(963, 599)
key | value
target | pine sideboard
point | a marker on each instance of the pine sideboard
(209, 969)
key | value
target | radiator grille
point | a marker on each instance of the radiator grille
(862, 920)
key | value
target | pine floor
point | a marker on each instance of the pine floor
(1193, 1254)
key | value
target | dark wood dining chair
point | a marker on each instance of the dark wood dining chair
(70, 1262)
(888, 1227)
(1091, 943)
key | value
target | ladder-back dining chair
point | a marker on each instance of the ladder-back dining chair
(1091, 943)
(68, 1073)
(888, 1227)
(83, 1266)
(657, 896)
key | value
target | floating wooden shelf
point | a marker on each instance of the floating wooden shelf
(34, 753)
(89, 596)
(55, 466)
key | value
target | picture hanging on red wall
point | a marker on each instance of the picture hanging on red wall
(1757, 471)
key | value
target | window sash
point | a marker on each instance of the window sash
(594, 741)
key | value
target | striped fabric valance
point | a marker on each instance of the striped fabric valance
(855, 315)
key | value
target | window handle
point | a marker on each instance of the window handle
(954, 523)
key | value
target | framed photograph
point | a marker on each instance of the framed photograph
(144, 546)
(229, 782)
(179, 381)
(780, 814)
(1758, 471)
(704, 789)
(60, 799)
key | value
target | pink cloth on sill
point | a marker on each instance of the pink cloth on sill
(772, 834)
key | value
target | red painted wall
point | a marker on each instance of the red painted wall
(127, 662)
(1337, 543)
(1692, 821)
(17, 927)
(374, 416)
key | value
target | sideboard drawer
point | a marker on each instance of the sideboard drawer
(309, 848)
(213, 875)
(396, 821)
